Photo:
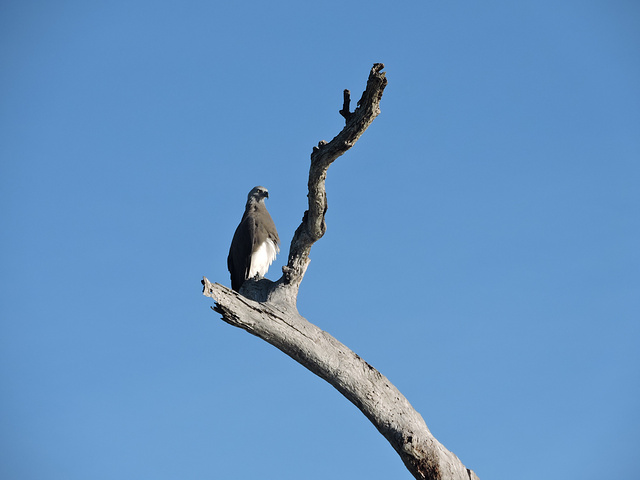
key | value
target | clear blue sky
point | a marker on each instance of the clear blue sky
(482, 248)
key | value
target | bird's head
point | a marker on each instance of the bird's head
(257, 194)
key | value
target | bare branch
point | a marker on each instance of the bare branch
(363, 385)
(313, 225)
(346, 105)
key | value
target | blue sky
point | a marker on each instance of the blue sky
(481, 252)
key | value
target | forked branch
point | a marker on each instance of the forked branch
(268, 310)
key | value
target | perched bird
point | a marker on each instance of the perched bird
(255, 243)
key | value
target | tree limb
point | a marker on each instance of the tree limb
(313, 225)
(268, 310)
(369, 390)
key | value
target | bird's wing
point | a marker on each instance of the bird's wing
(239, 259)
(266, 228)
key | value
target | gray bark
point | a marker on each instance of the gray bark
(268, 310)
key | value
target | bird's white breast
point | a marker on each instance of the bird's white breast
(262, 258)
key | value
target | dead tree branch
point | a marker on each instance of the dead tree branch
(313, 225)
(268, 310)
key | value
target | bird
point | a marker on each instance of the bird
(255, 242)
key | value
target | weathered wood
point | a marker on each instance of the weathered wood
(313, 225)
(381, 402)
(268, 310)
